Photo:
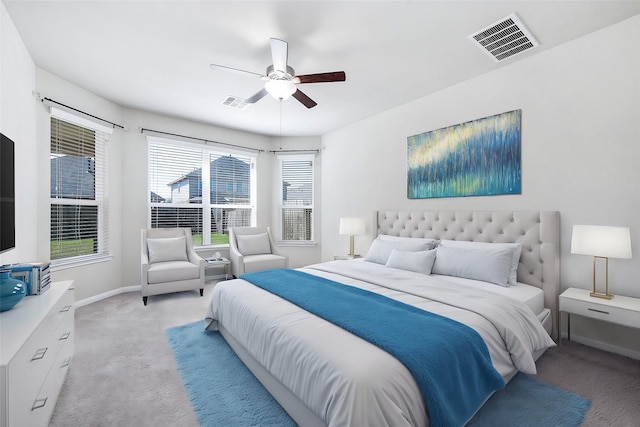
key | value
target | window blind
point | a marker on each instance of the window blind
(296, 201)
(79, 212)
(175, 182)
(177, 187)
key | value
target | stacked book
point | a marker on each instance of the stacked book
(35, 276)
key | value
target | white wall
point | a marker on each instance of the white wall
(17, 118)
(580, 152)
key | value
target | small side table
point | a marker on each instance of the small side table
(346, 257)
(218, 262)
(620, 310)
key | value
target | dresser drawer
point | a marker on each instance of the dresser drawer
(605, 312)
(43, 405)
(38, 410)
(36, 359)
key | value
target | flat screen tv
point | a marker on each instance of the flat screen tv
(7, 194)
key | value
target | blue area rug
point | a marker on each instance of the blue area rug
(223, 392)
(529, 402)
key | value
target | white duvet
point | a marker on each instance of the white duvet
(344, 379)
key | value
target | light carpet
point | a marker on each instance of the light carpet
(223, 391)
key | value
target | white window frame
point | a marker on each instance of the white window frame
(282, 157)
(206, 206)
(101, 200)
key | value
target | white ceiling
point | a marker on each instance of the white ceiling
(155, 55)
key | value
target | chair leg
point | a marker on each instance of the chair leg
(144, 300)
(201, 292)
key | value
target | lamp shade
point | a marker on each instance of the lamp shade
(352, 226)
(601, 241)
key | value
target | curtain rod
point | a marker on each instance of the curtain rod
(82, 112)
(142, 130)
(294, 151)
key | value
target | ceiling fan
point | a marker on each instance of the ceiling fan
(281, 79)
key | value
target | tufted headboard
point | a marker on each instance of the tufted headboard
(537, 231)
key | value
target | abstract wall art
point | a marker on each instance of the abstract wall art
(476, 158)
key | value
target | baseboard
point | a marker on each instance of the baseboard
(135, 288)
(104, 295)
(604, 346)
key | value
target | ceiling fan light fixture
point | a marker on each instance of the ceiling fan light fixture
(281, 79)
(280, 89)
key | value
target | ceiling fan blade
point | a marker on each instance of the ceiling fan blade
(215, 67)
(257, 97)
(304, 99)
(279, 55)
(336, 76)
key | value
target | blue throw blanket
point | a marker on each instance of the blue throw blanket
(449, 361)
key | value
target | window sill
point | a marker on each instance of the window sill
(284, 243)
(63, 264)
(210, 247)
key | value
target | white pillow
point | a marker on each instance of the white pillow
(516, 249)
(253, 244)
(420, 262)
(167, 249)
(488, 265)
(381, 249)
(431, 242)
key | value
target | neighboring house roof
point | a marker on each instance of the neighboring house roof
(220, 166)
(156, 198)
(73, 177)
(182, 178)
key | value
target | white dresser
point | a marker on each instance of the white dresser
(36, 347)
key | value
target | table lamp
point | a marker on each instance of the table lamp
(352, 226)
(604, 242)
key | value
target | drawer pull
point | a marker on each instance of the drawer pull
(39, 403)
(65, 308)
(64, 336)
(39, 354)
(66, 363)
(598, 311)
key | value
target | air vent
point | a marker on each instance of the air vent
(235, 102)
(504, 38)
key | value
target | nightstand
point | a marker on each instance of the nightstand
(620, 310)
(346, 257)
(218, 262)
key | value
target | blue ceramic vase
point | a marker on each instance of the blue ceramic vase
(11, 290)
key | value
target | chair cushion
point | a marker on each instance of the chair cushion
(171, 271)
(253, 244)
(167, 249)
(263, 262)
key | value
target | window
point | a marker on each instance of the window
(296, 202)
(176, 189)
(78, 159)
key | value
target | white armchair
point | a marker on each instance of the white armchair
(253, 249)
(169, 263)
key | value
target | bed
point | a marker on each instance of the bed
(323, 375)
